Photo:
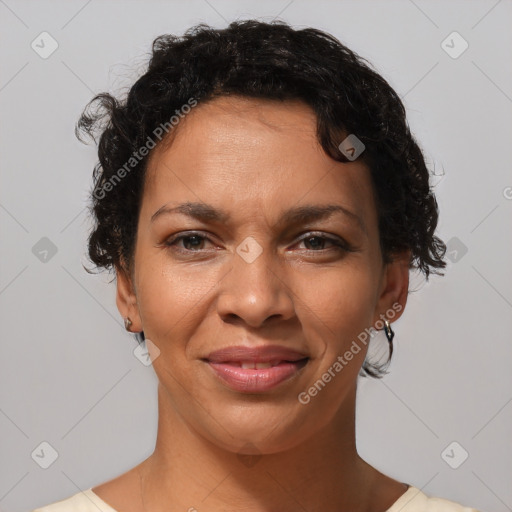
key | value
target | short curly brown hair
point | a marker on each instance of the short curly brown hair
(269, 61)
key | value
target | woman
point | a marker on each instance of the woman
(261, 201)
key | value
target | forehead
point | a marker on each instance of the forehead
(235, 127)
(252, 153)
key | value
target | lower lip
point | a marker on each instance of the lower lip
(248, 380)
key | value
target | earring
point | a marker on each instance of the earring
(127, 323)
(389, 332)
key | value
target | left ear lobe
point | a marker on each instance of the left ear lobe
(126, 300)
(395, 287)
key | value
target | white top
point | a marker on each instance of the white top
(413, 500)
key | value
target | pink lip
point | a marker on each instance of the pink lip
(226, 364)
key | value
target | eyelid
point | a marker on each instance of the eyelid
(186, 234)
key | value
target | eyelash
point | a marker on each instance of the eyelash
(339, 245)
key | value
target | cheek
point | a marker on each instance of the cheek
(340, 303)
(172, 300)
(173, 304)
(336, 312)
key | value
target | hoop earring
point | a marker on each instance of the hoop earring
(389, 332)
(127, 323)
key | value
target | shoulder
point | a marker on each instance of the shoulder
(85, 501)
(414, 500)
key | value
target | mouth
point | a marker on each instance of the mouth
(256, 369)
(253, 365)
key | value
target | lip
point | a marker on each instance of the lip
(284, 364)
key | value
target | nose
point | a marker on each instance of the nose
(256, 292)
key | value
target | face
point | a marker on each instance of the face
(257, 265)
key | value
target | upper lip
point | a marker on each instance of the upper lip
(261, 354)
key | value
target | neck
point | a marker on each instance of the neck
(194, 473)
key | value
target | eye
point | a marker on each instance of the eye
(192, 242)
(317, 243)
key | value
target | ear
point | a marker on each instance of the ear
(394, 288)
(126, 300)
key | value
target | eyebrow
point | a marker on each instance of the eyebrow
(302, 214)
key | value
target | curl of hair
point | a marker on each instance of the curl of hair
(268, 61)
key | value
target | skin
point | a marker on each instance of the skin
(255, 159)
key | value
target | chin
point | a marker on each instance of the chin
(259, 429)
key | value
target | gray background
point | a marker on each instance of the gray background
(68, 375)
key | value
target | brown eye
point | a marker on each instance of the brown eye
(191, 242)
(317, 243)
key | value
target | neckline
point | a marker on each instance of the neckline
(402, 500)
(411, 493)
(105, 507)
